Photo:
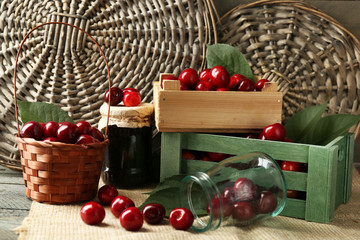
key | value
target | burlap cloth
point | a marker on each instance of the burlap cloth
(64, 223)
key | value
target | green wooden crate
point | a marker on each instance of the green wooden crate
(327, 183)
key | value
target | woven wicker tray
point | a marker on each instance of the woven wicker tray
(60, 65)
(310, 55)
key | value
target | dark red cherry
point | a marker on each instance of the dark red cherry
(204, 86)
(244, 189)
(84, 127)
(116, 96)
(205, 75)
(243, 211)
(32, 129)
(153, 213)
(260, 84)
(246, 84)
(219, 76)
(68, 133)
(50, 129)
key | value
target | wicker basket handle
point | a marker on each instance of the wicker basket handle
(17, 57)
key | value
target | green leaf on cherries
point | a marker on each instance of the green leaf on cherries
(41, 112)
(302, 122)
(230, 58)
(330, 127)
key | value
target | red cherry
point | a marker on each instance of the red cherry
(130, 90)
(234, 82)
(291, 193)
(274, 132)
(205, 75)
(50, 129)
(246, 84)
(94, 132)
(245, 189)
(219, 76)
(226, 208)
(222, 89)
(260, 84)
(153, 213)
(84, 127)
(92, 213)
(119, 204)
(116, 96)
(184, 86)
(181, 218)
(188, 155)
(32, 129)
(243, 211)
(217, 157)
(170, 77)
(229, 195)
(204, 86)
(107, 193)
(86, 139)
(43, 125)
(131, 219)
(189, 76)
(291, 166)
(68, 133)
(131, 99)
(266, 203)
(50, 139)
(64, 123)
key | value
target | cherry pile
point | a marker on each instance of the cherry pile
(215, 79)
(244, 201)
(80, 133)
(129, 96)
(131, 218)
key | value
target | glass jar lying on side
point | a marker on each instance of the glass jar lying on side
(237, 191)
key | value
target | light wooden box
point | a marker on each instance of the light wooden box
(327, 182)
(211, 111)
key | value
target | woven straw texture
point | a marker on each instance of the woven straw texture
(59, 173)
(311, 56)
(64, 222)
(60, 65)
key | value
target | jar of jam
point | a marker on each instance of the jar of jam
(128, 159)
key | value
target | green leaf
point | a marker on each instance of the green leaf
(330, 127)
(41, 112)
(302, 122)
(230, 58)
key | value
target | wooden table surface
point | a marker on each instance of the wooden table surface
(14, 205)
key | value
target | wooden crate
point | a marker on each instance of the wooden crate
(327, 183)
(211, 111)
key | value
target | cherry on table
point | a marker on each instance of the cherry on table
(107, 193)
(131, 219)
(219, 76)
(189, 76)
(32, 129)
(50, 129)
(116, 96)
(181, 218)
(119, 204)
(153, 213)
(92, 213)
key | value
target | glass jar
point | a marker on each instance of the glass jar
(128, 158)
(237, 191)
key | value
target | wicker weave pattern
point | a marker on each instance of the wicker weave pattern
(60, 65)
(59, 173)
(311, 56)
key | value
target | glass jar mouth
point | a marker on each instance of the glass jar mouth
(209, 191)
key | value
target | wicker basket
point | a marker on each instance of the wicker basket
(140, 39)
(59, 173)
(310, 55)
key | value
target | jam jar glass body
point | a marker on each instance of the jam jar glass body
(128, 159)
(237, 191)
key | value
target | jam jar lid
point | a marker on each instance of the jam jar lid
(129, 117)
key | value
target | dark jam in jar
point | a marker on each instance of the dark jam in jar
(128, 159)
